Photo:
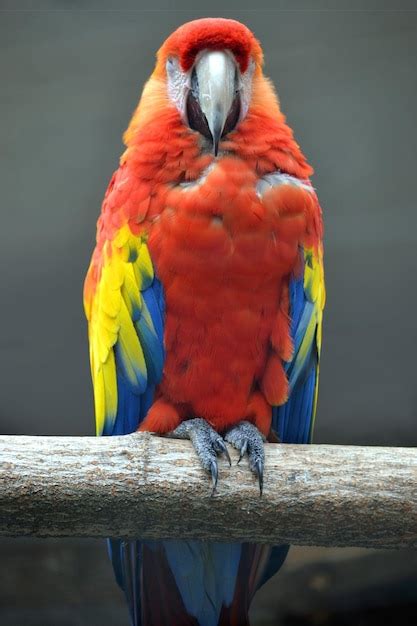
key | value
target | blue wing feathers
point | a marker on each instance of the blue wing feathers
(155, 303)
(133, 402)
(152, 349)
(292, 421)
(297, 298)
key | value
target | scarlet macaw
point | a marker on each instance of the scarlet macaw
(204, 299)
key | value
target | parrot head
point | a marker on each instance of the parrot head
(209, 67)
(210, 70)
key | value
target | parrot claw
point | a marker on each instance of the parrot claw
(260, 472)
(214, 475)
(221, 447)
(246, 438)
(207, 444)
(242, 452)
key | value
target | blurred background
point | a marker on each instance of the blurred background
(71, 73)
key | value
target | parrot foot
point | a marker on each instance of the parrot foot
(246, 438)
(207, 443)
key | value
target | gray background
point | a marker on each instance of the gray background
(70, 76)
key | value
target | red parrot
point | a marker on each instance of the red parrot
(204, 300)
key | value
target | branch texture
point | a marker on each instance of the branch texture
(149, 487)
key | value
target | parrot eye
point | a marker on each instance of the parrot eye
(171, 65)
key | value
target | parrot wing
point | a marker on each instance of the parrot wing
(124, 305)
(294, 420)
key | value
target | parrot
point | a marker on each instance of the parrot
(204, 300)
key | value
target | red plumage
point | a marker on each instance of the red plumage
(222, 258)
(212, 34)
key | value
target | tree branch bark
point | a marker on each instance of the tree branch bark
(143, 486)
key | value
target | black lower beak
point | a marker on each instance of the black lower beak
(217, 135)
(220, 127)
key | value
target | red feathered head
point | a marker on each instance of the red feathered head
(211, 34)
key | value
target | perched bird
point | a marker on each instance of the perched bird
(204, 300)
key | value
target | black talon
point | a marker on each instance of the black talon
(223, 448)
(243, 450)
(214, 475)
(259, 466)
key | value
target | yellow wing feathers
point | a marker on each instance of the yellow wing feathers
(314, 287)
(113, 302)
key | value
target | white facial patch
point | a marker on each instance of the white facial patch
(245, 89)
(178, 85)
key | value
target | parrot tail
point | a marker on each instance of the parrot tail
(192, 583)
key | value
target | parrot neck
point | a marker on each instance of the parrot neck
(167, 152)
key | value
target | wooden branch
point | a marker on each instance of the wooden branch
(149, 487)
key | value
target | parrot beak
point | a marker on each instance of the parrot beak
(216, 90)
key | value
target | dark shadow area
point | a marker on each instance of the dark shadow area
(70, 583)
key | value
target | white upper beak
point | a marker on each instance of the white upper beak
(216, 74)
